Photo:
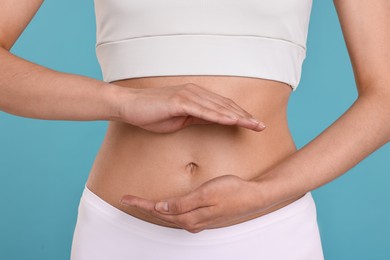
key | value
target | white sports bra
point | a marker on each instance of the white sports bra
(250, 38)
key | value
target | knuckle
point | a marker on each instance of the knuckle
(179, 104)
(177, 98)
(188, 222)
(195, 229)
(175, 207)
(191, 229)
(181, 220)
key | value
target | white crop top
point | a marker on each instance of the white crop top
(251, 38)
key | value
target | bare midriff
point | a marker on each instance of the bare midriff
(158, 166)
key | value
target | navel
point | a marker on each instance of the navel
(191, 167)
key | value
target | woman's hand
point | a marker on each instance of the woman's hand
(215, 203)
(170, 108)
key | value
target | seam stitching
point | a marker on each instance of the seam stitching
(199, 34)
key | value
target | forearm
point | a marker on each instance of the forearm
(361, 130)
(31, 90)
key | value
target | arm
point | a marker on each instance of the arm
(364, 127)
(361, 130)
(31, 90)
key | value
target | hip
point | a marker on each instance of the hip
(105, 232)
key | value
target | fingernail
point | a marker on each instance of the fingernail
(162, 206)
(261, 125)
(254, 120)
(122, 202)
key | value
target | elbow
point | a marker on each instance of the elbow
(379, 98)
(2, 45)
(378, 91)
(388, 118)
(384, 101)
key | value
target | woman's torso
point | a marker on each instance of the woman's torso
(157, 166)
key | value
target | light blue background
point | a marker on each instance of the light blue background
(44, 164)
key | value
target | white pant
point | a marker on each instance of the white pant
(104, 232)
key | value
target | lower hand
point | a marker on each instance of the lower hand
(216, 202)
(170, 108)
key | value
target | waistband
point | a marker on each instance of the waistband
(202, 54)
(153, 231)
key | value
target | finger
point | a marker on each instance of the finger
(203, 98)
(209, 99)
(209, 114)
(179, 205)
(175, 123)
(252, 124)
(192, 120)
(227, 102)
(208, 111)
(245, 119)
(184, 221)
(139, 203)
(218, 114)
(223, 102)
(193, 221)
(144, 205)
(225, 106)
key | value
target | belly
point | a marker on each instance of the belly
(157, 166)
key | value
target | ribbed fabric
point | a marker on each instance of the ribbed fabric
(249, 38)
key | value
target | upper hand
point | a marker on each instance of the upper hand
(170, 108)
(215, 203)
